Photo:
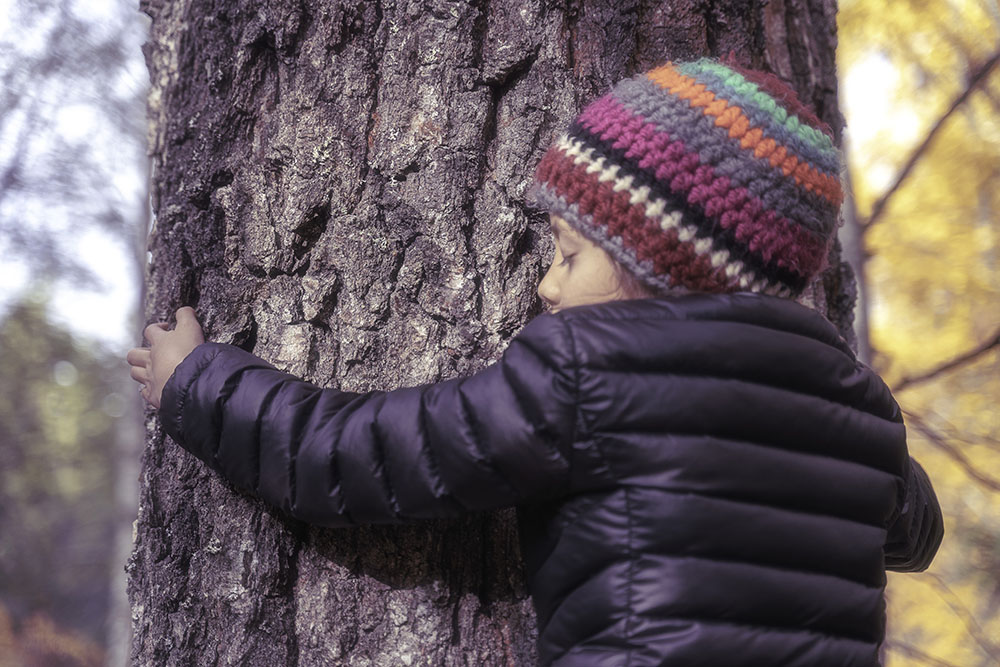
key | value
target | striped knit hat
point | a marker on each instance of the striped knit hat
(700, 175)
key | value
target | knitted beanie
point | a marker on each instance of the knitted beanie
(700, 175)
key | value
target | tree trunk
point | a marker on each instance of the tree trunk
(338, 187)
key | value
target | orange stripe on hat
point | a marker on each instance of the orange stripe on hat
(732, 117)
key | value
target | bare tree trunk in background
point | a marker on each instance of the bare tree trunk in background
(853, 240)
(128, 450)
(128, 438)
(338, 187)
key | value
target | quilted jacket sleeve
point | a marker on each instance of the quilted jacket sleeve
(497, 438)
(916, 533)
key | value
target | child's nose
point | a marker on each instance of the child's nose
(548, 289)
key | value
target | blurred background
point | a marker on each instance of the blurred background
(920, 89)
(73, 219)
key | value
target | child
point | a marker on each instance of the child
(705, 476)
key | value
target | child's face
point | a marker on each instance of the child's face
(581, 272)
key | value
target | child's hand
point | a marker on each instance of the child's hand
(153, 366)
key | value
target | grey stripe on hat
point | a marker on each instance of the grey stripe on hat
(698, 132)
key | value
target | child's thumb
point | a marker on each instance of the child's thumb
(186, 317)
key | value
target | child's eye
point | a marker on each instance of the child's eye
(566, 259)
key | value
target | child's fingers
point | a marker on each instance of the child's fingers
(144, 391)
(154, 331)
(186, 315)
(140, 374)
(138, 356)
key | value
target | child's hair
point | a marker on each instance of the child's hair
(699, 177)
(630, 286)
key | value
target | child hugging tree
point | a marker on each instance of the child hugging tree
(704, 473)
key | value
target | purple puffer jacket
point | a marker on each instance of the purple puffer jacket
(707, 480)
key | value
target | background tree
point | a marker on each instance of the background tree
(57, 494)
(72, 188)
(338, 187)
(70, 113)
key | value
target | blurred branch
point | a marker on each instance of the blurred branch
(962, 359)
(955, 453)
(977, 78)
(915, 653)
(971, 625)
(67, 176)
(11, 174)
(951, 432)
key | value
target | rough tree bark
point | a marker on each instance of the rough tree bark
(338, 187)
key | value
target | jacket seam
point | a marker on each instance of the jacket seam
(481, 446)
(729, 378)
(380, 452)
(294, 447)
(705, 620)
(604, 433)
(578, 413)
(660, 318)
(334, 476)
(630, 576)
(903, 490)
(538, 427)
(426, 449)
(754, 503)
(611, 562)
(265, 404)
(780, 568)
(182, 395)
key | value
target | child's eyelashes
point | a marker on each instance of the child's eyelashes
(566, 259)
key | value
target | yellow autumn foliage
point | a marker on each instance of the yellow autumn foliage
(933, 276)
